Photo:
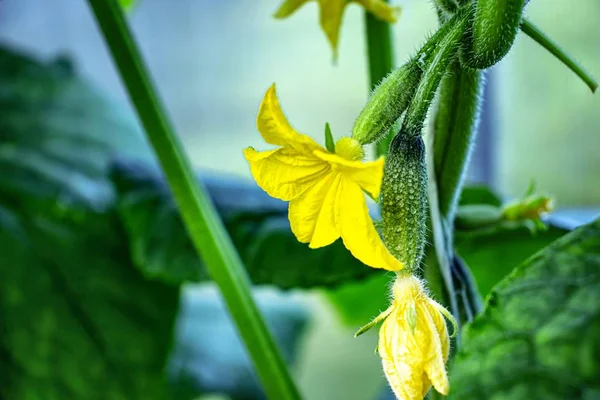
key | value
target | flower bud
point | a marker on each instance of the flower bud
(494, 28)
(387, 103)
(404, 200)
(529, 210)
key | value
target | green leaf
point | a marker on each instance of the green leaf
(257, 224)
(79, 320)
(538, 335)
(329, 142)
(493, 255)
(479, 194)
(56, 134)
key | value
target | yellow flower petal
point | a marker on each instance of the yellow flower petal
(331, 20)
(313, 215)
(288, 8)
(397, 345)
(381, 9)
(368, 175)
(285, 173)
(275, 129)
(434, 363)
(426, 384)
(442, 329)
(357, 230)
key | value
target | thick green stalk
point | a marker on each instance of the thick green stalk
(440, 232)
(203, 224)
(444, 54)
(536, 34)
(455, 130)
(439, 268)
(380, 59)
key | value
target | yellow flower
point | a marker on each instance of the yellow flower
(413, 341)
(331, 13)
(325, 190)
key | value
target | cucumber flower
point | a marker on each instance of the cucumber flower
(413, 341)
(331, 13)
(325, 189)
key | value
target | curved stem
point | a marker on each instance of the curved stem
(201, 220)
(443, 54)
(540, 37)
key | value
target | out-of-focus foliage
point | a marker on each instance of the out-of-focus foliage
(491, 256)
(359, 302)
(53, 135)
(479, 194)
(69, 327)
(493, 251)
(538, 334)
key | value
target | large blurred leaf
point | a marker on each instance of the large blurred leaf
(56, 134)
(493, 255)
(257, 223)
(77, 318)
(479, 194)
(538, 335)
(359, 302)
(77, 321)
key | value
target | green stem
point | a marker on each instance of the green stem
(204, 226)
(380, 59)
(540, 37)
(440, 231)
(455, 131)
(444, 54)
(455, 127)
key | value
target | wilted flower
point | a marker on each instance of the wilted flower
(325, 189)
(413, 341)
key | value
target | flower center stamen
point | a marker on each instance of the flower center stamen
(350, 149)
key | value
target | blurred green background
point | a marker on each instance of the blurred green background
(212, 62)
